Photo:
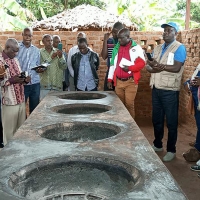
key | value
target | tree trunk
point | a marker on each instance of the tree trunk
(66, 4)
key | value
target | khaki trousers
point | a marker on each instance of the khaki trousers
(126, 91)
(12, 118)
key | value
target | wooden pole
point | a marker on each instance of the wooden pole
(187, 16)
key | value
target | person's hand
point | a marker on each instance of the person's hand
(40, 70)
(156, 65)
(106, 36)
(109, 85)
(59, 53)
(187, 88)
(54, 55)
(195, 81)
(125, 68)
(17, 79)
(27, 79)
(2, 71)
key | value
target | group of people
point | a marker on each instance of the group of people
(166, 68)
(78, 71)
(29, 74)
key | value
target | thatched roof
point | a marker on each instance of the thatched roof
(83, 17)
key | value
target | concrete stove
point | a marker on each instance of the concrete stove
(83, 145)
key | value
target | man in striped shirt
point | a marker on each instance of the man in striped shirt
(108, 45)
(29, 57)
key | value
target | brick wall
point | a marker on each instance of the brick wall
(148, 40)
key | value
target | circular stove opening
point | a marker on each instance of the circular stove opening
(79, 109)
(82, 96)
(80, 177)
(79, 131)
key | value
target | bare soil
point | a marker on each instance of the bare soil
(179, 168)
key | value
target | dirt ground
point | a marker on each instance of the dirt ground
(179, 168)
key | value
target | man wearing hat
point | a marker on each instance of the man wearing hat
(166, 70)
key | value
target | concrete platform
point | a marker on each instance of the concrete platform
(128, 150)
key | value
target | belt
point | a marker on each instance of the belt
(125, 79)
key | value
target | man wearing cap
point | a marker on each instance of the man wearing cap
(166, 71)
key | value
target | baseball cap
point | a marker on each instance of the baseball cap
(172, 24)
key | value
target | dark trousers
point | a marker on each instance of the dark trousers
(1, 133)
(165, 103)
(33, 93)
(197, 118)
(1, 127)
(106, 81)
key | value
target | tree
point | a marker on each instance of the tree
(46, 8)
(145, 13)
(13, 16)
(180, 13)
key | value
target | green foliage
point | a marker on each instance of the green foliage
(49, 8)
(194, 10)
(74, 3)
(13, 16)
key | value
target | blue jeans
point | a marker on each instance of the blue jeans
(197, 118)
(33, 93)
(165, 103)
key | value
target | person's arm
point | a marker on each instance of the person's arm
(179, 59)
(138, 65)
(61, 60)
(104, 51)
(97, 63)
(69, 63)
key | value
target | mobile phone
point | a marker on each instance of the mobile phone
(60, 46)
(149, 56)
(6, 66)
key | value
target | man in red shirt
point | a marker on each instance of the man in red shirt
(127, 61)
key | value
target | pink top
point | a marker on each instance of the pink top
(11, 93)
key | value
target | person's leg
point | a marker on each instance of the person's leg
(120, 90)
(21, 115)
(1, 128)
(71, 84)
(43, 93)
(95, 89)
(9, 121)
(170, 100)
(130, 93)
(27, 90)
(157, 118)
(34, 96)
(197, 118)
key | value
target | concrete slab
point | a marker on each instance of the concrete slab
(28, 150)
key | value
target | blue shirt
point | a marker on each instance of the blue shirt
(29, 58)
(179, 54)
(85, 76)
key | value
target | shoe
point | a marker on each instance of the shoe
(169, 156)
(198, 162)
(157, 149)
(198, 175)
(192, 143)
(192, 155)
(1, 145)
(195, 168)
